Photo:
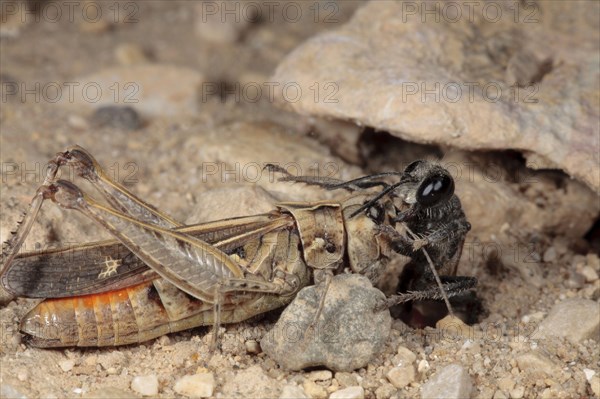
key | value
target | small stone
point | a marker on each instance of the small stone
(333, 386)
(453, 381)
(314, 390)
(536, 363)
(589, 373)
(77, 122)
(576, 280)
(575, 319)
(66, 365)
(146, 385)
(356, 392)
(385, 391)
(22, 375)
(423, 366)
(90, 360)
(292, 392)
(595, 385)
(349, 333)
(345, 379)
(252, 346)
(506, 384)
(405, 356)
(320, 375)
(499, 395)
(118, 117)
(196, 385)
(593, 260)
(550, 255)
(518, 392)
(130, 54)
(589, 274)
(164, 341)
(401, 376)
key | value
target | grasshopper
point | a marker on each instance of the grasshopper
(159, 276)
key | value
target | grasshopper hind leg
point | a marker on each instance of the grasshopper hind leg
(419, 303)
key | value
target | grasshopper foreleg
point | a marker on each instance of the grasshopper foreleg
(323, 278)
(330, 183)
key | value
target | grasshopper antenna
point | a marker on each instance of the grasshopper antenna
(329, 183)
(435, 274)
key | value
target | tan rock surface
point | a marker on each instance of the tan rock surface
(467, 78)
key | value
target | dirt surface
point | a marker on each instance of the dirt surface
(206, 154)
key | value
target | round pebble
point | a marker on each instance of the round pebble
(401, 376)
(292, 392)
(66, 365)
(146, 385)
(252, 347)
(196, 386)
(119, 117)
(356, 392)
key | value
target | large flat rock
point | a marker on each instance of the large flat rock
(476, 77)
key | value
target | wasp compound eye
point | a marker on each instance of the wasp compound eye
(435, 189)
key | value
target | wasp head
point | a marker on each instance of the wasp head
(426, 185)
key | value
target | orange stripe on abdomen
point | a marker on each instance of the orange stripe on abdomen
(113, 318)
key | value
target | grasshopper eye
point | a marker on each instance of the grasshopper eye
(434, 190)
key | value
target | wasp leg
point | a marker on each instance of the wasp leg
(447, 231)
(452, 285)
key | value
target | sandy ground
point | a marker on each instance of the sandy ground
(165, 161)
